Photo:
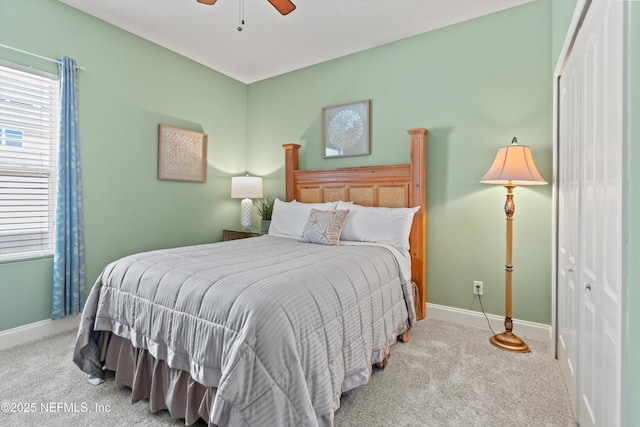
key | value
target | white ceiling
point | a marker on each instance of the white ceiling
(271, 44)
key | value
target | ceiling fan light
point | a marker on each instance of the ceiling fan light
(284, 6)
(209, 2)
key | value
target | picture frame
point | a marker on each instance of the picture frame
(182, 154)
(345, 130)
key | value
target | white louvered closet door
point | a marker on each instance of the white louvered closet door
(591, 217)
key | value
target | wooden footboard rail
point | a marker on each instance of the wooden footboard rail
(399, 185)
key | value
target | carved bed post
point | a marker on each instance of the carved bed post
(418, 197)
(290, 164)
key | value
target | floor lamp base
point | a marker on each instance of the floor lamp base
(510, 342)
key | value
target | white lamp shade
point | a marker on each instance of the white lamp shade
(513, 165)
(246, 187)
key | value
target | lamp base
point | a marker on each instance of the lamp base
(246, 213)
(508, 341)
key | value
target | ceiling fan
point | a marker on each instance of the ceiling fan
(284, 6)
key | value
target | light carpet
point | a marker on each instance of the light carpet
(447, 375)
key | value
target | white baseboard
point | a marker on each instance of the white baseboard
(35, 331)
(522, 328)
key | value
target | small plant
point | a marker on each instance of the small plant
(265, 207)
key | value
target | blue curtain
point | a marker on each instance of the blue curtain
(69, 284)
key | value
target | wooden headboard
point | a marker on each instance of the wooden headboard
(400, 185)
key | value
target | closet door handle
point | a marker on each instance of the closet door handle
(570, 269)
(587, 286)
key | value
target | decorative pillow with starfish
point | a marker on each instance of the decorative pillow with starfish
(324, 227)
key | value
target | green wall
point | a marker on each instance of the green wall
(129, 87)
(474, 85)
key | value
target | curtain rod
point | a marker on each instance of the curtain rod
(35, 55)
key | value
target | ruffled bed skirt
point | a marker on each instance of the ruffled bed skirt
(176, 391)
(148, 378)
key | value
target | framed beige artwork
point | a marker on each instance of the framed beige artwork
(182, 154)
(345, 129)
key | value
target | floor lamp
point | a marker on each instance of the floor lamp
(512, 166)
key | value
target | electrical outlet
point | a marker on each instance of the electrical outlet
(478, 287)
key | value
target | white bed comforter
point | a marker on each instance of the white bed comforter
(280, 327)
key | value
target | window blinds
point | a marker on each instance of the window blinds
(29, 129)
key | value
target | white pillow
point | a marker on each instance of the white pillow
(390, 226)
(289, 218)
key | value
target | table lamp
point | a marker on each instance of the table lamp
(246, 188)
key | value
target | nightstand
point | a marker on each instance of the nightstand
(240, 234)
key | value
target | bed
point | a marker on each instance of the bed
(270, 330)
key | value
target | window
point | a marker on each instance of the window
(11, 137)
(29, 123)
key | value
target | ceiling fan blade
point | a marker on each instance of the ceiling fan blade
(283, 6)
(209, 2)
